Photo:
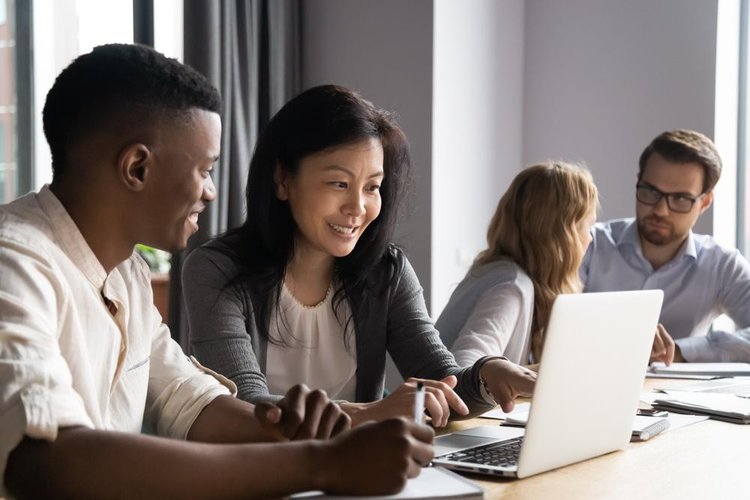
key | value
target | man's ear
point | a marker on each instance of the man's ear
(133, 165)
(281, 179)
(706, 201)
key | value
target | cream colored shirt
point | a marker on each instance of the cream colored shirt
(65, 360)
(314, 352)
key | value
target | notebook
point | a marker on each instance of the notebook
(432, 482)
(590, 378)
(718, 406)
(703, 369)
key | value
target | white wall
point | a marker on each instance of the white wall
(383, 49)
(476, 128)
(603, 78)
(515, 82)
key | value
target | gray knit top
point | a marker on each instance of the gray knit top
(225, 338)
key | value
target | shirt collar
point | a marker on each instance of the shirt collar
(70, 238)
(629, 236)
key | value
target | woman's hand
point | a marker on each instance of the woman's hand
(506, 381)
(439, 399)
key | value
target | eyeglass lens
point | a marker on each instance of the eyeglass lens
(675, 202)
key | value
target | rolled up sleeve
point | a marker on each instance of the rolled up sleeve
(36, 391)
(179, 387)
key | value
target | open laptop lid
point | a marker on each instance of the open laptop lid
(596, 351)
(594, 362)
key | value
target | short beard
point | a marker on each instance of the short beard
(655, 238)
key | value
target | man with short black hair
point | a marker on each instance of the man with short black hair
(85, 361)
(658, 250)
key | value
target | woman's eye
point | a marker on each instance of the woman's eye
(338, 184)
(374, 188)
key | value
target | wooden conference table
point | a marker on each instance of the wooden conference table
(709, 459)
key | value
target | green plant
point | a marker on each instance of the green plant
(158, 261)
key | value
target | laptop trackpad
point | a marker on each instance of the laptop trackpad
(474, 436)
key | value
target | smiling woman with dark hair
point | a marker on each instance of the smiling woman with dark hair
(311, 289)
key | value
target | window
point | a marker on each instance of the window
(8, 164)
(64, 29)
(743, 134)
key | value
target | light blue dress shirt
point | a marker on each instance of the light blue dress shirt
(701, 282)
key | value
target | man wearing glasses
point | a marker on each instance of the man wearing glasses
(658, 250)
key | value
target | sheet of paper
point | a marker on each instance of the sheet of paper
(677, 420)
(432, 482)
(701, 368)
(520, 412)
(727, 403)
(650, 397)
(739, 386)
(681, 376)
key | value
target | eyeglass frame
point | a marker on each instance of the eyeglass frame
(666, 196)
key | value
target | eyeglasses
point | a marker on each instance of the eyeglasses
(677, 202)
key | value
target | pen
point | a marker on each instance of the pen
(419, 403)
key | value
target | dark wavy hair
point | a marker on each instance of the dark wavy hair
(115, 87)
(318, 119)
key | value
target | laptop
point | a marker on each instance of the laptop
(590, 378)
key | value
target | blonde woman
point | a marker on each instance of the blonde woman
(536, 241)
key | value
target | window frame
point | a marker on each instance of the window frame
(742, 131)
(25, 112)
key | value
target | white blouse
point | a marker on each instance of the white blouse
(313, 350)
(489, 314)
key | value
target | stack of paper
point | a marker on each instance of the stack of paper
(718, 406)
(643, 427)
(739, 386)
(701, 369)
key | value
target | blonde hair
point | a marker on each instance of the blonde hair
(536, 226)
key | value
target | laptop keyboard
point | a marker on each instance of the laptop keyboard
(502, 454)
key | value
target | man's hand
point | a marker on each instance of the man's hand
(506, 381)
(303, 414)
(439, 398)
(663, 348)
(376, 458)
